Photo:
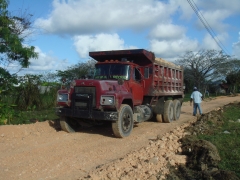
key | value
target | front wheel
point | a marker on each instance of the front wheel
(124, 125)
(68, 125)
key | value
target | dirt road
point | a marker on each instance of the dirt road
(42, 151)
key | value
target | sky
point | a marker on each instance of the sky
(65, 31)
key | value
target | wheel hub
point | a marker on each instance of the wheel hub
(126, 122)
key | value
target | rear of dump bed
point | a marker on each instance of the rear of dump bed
(167, 79)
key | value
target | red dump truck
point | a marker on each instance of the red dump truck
(128, 86)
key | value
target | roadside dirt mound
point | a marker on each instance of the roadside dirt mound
(202, 163)
(202, 155)
(25, 130)
(160, 154)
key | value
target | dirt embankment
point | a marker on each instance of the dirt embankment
(41, 151)
(177, 155)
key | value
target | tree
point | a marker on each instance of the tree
(12, 49)
(233, 77)
(77, 71)
(12, 28)
(203, 66)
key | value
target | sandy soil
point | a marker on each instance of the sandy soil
(42, 151)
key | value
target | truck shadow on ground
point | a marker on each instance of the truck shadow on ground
(104, 129)
(55, 124)
(187, 113)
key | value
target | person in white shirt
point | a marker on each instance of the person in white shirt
(196, 98)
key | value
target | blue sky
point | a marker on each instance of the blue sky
(66, 30)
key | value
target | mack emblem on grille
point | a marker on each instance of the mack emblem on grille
(82, 95)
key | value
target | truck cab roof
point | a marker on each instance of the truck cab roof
(141, 57)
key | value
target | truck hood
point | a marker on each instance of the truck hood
(104, 85)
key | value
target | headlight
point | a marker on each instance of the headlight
(107, 100)
(62, 98)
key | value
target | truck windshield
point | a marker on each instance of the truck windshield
(112, 71)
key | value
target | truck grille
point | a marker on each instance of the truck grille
(84, 97)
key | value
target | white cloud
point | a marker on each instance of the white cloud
(173, 49)
(212, 12)
(99, 42)
(167, 32)
(86, 17)
(44, 63)
(184, 9)
(210, 43)
(214, 20)
(211, 5)
(47, 62)
(236, 48)
(169, 41)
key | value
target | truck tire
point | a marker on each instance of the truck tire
(168, 111)
(67, 125)
(177, 109)
(124, 125)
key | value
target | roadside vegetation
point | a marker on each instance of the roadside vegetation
(212, 146)
(30, 98)
(225, 136)
(31, 101)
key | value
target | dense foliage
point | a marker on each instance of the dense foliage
(203, 67)
(12, 36)
(77, 71)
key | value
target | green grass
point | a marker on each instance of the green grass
(37, 107)
(187, 96)
(27, 117)
(228, 145)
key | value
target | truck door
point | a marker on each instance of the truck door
(136, 86)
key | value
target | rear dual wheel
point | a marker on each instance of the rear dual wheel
(177, 109)
(172, 111)
(168, 111)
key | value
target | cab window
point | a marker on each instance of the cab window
(136, 74)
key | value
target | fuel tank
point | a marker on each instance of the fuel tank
(142, 113)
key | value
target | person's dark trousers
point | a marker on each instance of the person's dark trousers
(195, 107)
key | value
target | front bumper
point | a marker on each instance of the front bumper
(86, 114)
